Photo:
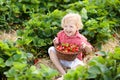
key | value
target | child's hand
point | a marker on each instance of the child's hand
(86, 47)
(55, 40)
(83, 45)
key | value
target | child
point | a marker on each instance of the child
(71, 24)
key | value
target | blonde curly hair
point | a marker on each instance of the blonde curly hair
(74, 17)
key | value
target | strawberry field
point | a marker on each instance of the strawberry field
(36, 23)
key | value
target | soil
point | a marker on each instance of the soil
(8, 35)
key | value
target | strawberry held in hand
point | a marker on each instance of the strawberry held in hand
(67, 48)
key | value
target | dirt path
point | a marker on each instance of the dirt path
(110, 45)
(9, 36)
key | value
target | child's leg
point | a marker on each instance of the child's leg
(54, 59)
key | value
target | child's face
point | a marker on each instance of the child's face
(70, 29)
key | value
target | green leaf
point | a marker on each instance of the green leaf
(16, 57)
(102, 53)
(28, 41)
(2, 64)
(92, 75)
(94, 70)
(107, 77)
(19, 52)
(117, 53)
(9, 62)
(32, 68)
(19, 66)
(10, 73)
(84, 14)
(103, 68)
(117, 77)
(19, 32)
(24, 8)
(29, 55)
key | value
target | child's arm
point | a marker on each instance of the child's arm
(55, 41)
(87, 47)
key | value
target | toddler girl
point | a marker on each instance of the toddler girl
(71, 24)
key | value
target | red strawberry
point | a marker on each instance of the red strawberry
(76, 49)
(66, 47)
(59, 48)
(36, 60)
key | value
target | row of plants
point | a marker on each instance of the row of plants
(15, 12)
(16, 64)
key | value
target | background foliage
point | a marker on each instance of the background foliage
(99, 19)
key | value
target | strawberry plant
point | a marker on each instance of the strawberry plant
(15, 64)
(23, 72)
(39, 32)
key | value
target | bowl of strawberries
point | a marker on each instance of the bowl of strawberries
(67, 51)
